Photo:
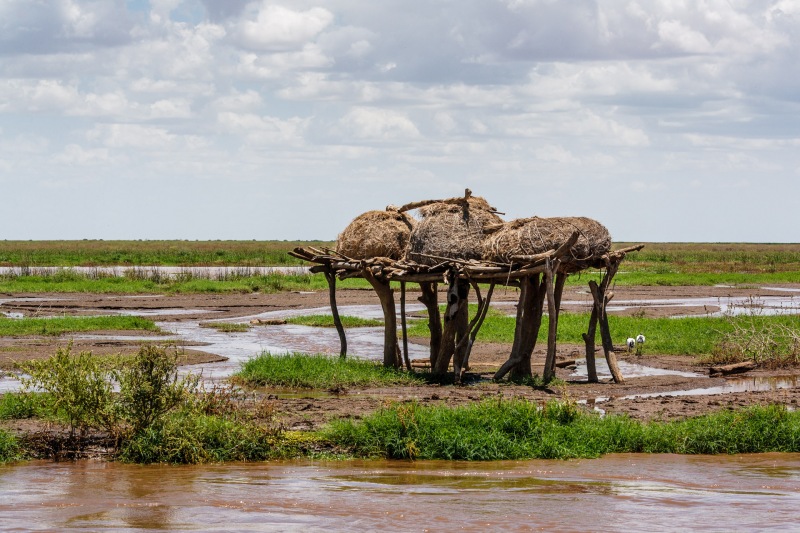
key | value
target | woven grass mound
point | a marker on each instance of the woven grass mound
(376, 234)
(451, 230)
(528, 236)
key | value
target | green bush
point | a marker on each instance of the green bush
(81, 386)
(149, 386)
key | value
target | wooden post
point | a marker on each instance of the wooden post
(391, 351)
(474, 326)
(430, 299)
(529, 320)
(588, 339)
(403, 323)
(552, 313)
(337, 321)
(598, 293)
(456, 299)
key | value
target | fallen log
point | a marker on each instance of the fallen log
(735, 368)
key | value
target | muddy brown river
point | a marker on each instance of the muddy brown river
(614, 493)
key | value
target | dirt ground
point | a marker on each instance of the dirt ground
(299, 410)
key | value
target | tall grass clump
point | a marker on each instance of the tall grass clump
(22, 405)
(187, 437)
(772, 344)
(9, 447)
(299, 370)
(518, 429)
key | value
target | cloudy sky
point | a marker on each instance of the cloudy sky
(667, 120)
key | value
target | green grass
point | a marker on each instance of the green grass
(677, 336)
(167, 253)
(226, 327)
(70, 281)
(187, 437)
(319, 372)
(9, 447)
(516, 429)
(22, 405)
(672, 276)
(10, 327)
(326, 321)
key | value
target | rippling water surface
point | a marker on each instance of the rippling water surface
(614, 493)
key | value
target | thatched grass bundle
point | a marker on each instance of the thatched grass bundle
(376, 234)
(451, 230)
(529, 236)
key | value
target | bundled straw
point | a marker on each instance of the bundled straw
(529, 236)
(376, 234)
(450, 230)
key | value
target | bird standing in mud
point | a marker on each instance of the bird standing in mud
(631, 342)
(639, 344)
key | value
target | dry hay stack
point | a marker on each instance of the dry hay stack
(376, 234)
(451, 230)
(529, 236)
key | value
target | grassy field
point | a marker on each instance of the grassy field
(318, 372)
(678, 336)
(167, 253)
(658, 264)
(71, 281)
(10, 327)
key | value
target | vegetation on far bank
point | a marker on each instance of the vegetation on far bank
(89, 252)
(66, 280)
(10, 327)
(668, 264)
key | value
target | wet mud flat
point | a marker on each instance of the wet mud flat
(645, 395)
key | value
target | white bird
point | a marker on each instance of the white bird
(631, 342)
(639, 344)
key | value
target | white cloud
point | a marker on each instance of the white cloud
(273, 27)
(264, 130)
(378, 124)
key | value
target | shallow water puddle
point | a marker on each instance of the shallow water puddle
(746, 384)
(629, 370)
(613, 493)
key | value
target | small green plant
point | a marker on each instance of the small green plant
(9, 447)
(149, 386)
(81, 386)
